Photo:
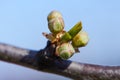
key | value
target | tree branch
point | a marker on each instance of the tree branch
(42, 61)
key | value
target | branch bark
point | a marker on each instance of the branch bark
(43, 61)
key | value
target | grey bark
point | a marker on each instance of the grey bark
(44, 60)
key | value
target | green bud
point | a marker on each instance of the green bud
(65, 51)
(54, 14)
(80, 40)
(56, 25)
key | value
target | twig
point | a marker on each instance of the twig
(42, 61)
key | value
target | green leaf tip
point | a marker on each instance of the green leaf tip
(75, 29)
(66, 37)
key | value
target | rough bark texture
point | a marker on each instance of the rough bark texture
(44, 60)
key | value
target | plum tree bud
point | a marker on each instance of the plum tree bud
(80, 40)
(56, 25)
(54, 14)
(65, 51)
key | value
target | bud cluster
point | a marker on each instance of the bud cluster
(67, 42)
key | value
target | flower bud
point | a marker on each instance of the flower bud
(80, 40)
(65, 51)
(54, 14)
(56, 25)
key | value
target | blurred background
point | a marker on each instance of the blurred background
(23, 21)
